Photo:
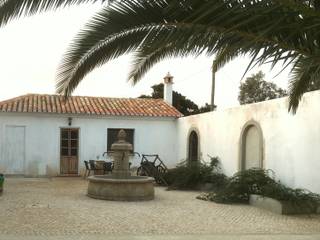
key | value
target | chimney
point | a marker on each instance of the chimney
(167, 93)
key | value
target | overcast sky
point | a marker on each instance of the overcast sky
(31, 49)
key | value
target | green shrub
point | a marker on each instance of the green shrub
(296, 196)
(241, 185)
(187, 176)
(1, 180)
(258, 181)
(191, 175)
(217, 181)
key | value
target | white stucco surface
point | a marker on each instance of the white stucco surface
(167, 95)
(291, 143)
(42, 139)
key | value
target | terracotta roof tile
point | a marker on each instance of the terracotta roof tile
(43, 103)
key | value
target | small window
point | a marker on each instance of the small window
(113, 136)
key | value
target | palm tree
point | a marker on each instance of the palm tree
(269, 31)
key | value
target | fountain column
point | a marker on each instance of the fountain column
(120, 154)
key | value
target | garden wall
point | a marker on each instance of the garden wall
(290, 144)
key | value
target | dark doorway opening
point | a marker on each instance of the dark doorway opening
(193, 154)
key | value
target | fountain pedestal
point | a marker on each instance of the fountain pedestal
(120, 185)
(120, 154)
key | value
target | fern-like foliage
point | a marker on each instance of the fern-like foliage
(277, 31)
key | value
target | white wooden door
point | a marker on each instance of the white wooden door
(252, 148)
(14, 150)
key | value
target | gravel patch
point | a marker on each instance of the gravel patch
(59, 206)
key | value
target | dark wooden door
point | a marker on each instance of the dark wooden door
(69, 148)
(193, 147)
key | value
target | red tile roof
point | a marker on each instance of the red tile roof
(42, 103)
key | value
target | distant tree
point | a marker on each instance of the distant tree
(314, 85)
(256, 89)
(180, 102)
(206, 108)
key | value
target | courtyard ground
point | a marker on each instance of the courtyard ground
(35, 208)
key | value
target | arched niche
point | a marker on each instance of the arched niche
(251, 146)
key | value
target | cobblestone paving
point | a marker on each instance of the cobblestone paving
(59, 206)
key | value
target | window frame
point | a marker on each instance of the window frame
(127, 139)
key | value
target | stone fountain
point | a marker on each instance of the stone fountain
(120, 185)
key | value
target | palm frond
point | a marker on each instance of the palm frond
(12, 9)
(103, 39)
(161, 27)
(276, 31)
(304, 72)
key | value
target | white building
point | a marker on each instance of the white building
(42, 135)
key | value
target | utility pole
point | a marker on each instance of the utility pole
(213, 84)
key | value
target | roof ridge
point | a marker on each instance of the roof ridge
(89, 105)
(15, 98)
(83, 96)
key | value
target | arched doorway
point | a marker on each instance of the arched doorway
(252, 147)
(193, 148)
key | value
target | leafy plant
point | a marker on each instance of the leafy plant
(241, 185)
(186, 176)
(295, 196)
(190, 175)
(1, 181)
(262, 182)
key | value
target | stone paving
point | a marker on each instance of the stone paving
(60, 207)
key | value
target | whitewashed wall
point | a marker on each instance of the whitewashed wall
(42, 138)
(291, 143)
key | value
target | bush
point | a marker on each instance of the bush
(187, 176)
(241, 185)
(191, 175)
(258, 181)
(237, 188)
(295, 196)
(1, 181)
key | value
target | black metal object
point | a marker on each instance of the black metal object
(154, 168)
(88, 170)
(91, 166)
(108, 153)
(107, 167)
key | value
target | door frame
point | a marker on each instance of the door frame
(25, 145)
(59, 150)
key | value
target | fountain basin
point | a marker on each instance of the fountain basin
(133, 188)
